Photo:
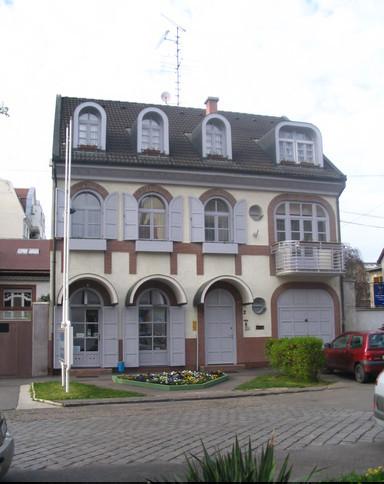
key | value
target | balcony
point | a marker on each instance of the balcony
(308, 258)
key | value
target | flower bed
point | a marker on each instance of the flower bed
(174, 380)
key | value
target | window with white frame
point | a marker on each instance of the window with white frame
(301, 221)
(17, 298)
(217, 221)
(89, 126)
(151, 134)
(152, 131)
(152, 218)
(153, 321)
(86, 218)
(297, 144)
(215, 139)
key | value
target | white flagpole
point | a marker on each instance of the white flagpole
(66, 324)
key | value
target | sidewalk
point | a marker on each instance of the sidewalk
(219, 391)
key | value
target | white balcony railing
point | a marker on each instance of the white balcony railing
(296, 257)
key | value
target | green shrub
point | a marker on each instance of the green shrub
(300, 357)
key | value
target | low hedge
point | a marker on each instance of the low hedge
(299, 357)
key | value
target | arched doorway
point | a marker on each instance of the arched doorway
(220, 327)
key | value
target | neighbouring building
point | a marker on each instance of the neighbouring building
(21, 215)
(24, 307)
(196, 234)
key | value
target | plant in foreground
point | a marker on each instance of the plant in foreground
(238, 466)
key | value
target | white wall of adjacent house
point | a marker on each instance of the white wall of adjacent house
(12, 215)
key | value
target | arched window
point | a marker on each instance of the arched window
(152, 131)
(301, 221)
(153, 321)
(217, 216)
(298, 143)
(151, 134)
(86, 218)
(215, 139)
(152, 218)
(89, 127)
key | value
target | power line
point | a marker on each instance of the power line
(362, 214)
(364, 225)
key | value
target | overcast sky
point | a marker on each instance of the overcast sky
(318, 61)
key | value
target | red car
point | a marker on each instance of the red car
(357, 352)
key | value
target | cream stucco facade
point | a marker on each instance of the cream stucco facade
(191, 249)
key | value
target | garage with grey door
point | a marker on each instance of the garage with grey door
(306, 312)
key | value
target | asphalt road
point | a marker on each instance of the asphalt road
(332, 429)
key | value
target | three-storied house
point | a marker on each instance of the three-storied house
(196, 234)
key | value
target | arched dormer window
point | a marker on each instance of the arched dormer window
(152, 131)
(298, 143)
(89, 126)
(216, 136)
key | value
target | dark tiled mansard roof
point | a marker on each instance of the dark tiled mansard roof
(247, 156)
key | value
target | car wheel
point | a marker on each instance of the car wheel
(360, 375)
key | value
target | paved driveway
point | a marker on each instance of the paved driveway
(130, 442)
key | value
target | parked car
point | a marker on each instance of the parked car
(378, 399)
(357, 352)
(7, 447)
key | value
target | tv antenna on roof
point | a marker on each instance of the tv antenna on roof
(176, 40)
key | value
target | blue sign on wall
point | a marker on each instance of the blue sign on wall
(378, 289)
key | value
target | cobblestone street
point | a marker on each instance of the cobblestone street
(59, 438)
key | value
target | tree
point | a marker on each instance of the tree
(4, 110)
(355, 270)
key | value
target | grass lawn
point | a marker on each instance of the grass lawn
(78, 391)
(278, 381)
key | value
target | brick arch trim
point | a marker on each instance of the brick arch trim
(218, 192)
(290, 197)
(153, 189)
(304, 285)
(89, 185)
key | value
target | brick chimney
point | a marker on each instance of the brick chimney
(211, 105)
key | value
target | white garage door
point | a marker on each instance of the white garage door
(306, 312)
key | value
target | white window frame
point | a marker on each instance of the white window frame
(215, 140)
(160, 117)
(152, 307)
(221, 122)
(314, 218)
(24, 294)
(152, 212)
(297, 128)
(89, 106)
(216, 215)
(86, 224)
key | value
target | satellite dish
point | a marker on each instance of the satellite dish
(165, 97)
